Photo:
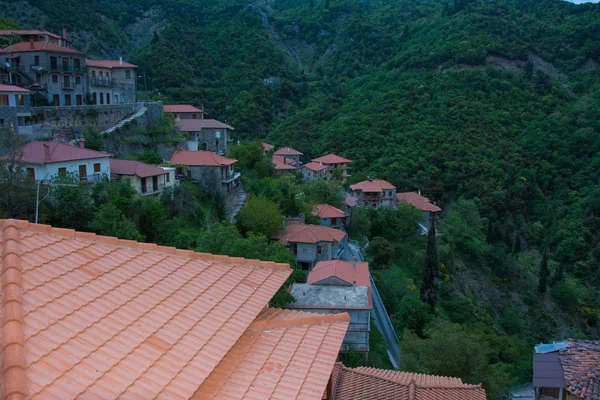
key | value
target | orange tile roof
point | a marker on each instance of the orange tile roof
(327, 211)
(98, 317)
(196, 125)
(38, 46)
(267, 146)
(13, 89)
(280, 165)
(39, 152)
(200, 158)
(288, 151)
(343, 270)
(313, 166)
(270, 359)
(108, 64)
(332, 159)
(130, 167)
(181, 108)
(350, 200)
(363, 382)
(580, 362)
(421, 202)
(375, 185)
(301, 233)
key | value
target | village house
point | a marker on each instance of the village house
(422, 203)
(374, 193)
(144, 178)
(288, 156)
(46, 160)
(36, 36)
(111, 81)
(329, 216)
(373, 383)
(267, 148)
(313, 243)
(313, 170)
(183, 111)
(350, 202)
(206, 134)
(211, 171)
(333, 162)
(55, 72)
(282, 168)
(137, 320)
(567, 370)
(15, 108)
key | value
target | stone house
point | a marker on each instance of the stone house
(267, 148)
(313, 243)
(313, 170)
(422, 203)
(111, 81)
(45, 160)
(206, 134)
(374, 193)
(282, 167)
(289, 155)
(329, 216)
(15, 108)
(333, 162)
(37, 36)
(183, 111)
(56, 72)
(144, 178)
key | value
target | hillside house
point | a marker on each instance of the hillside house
(282, 167)
(372, 383)
(15, 108)
(288, 155)
(136, 320)
(567, 370)
(313, 243)
(267, 148)
(374, 193)
(144, 178)
(210, 170)
(330, 299)
(422, 203)
(351, 202)
(36, 36)
(54, 71)
(333, 162)
(329, 216)
(45, 160)
(206, 134)
(183, 111)
(313, 170)
(111, 81)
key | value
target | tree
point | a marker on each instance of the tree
(150, 217)
(71, 200)
(110, 221)
(93, 139)
(360, 222)
(260, 215)
(147, 156)
(311, 3)
(182, 202)
(517, 246)
(321, 191)
(382, 252)
(428, 292)
(326, 3)
(543, 273)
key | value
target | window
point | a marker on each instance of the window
(79, 100)
(144, 188)
(168, 177)
(101, 98)
(319, 249)
(94, 99)
(127, 74)
(67, 99)
(62, 171)
(56, 100)
(83, 172)
(193, 116)
(97, 167)
(78, 80)
(3, 99)
(53, 63)
(54, 78)
(77, 64)
(107, 98)
(101, 75)
(116, 99)
(93, 74)
(65, 64)
(38, 78)
(36, 60)
(66, 81)
(155, 183)
(23, 121)
(31, 173)
(1, 122)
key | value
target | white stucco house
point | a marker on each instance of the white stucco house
(146, 179)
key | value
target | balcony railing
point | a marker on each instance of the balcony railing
(57, 68)
(230, 177)
(67, 86)
(362, 347)
(150, 190)
(359, 327)
(103, 82)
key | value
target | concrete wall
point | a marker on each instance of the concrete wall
(311, 175)
(48, 171)
(388, 199)
(125, 87)
(207, 140)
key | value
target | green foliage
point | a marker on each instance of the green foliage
(110, 221)
(93, 139)
(428, 293)
(321, 191)
(147, 156)
(413, 315)
(381, 251)
(544, 273)
(360, 223)
(71, 200)
(182, 202)
(261, 216)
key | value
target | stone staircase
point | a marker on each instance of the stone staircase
(241, 199)
(140, 112)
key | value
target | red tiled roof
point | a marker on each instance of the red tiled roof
(350, 200)
(375, 185)
(332, 159)
(327, 211)
(196, 125)
(13, 89)
(5, 32)
(421, 202)
(344, 271)
(181, 108)
(38, 46)
(200, 158)
(98, 317)
(284, 160)
(108, 64)
(581, 367)
(313, 166)
(288, 151)
(35, 152)
(301, 233)
(269, 360)
(280, 165)
(363, 382)
(129, 167)
(267, 146)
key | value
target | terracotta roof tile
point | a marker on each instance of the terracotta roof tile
(350, 200)
(344, 271)
(50, 152)
(181, 108)
(306, 233)
(375, 185)
(283, 353)
(281, 165)
(288, 151)
(313, 166)
(267, 146)
(130, 167)
(101, 317)
(581, 367)
(13, 89)
(38, 46)
(332, 159)
(196, 125)
(200, 158)
(327, 211)
(109, 64)
(421, 202)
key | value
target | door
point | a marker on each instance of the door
(56, 100)
(155, 183)
(31, 173)
(82, 172)
(144, 187)
(67, 82)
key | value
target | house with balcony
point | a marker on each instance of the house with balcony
(35, 35)
(183, 111)
(46, 160)
(310, 244)
(146, 179)
(111, 81)
(288, 155)
(209, 170)
(313, 170)
(206, 134)
(334, 163)
(15, 108)
(374, 193)
(422, 203)
(329, 216)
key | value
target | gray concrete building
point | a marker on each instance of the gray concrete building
(206, 134)
(111, 81)
(15, 108)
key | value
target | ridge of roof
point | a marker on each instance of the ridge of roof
(299, 318)
(331, 159)
(111, 240)
(325, 210)
(315, 166)
(23, 47)
(14, 363)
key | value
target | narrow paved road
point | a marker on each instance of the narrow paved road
(241, 198)
(380, 315)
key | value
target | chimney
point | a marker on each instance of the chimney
(46, 152)
(82, 143)
(321, 162)
(64, 36)
(31, 42)
(121, 60)
(419, 192)
(353, 262)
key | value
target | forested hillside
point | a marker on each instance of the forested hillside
(491, 108)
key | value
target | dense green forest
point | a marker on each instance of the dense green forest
(490, 108)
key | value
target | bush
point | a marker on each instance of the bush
(382, 252)
(260, 215)
(93, 139)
